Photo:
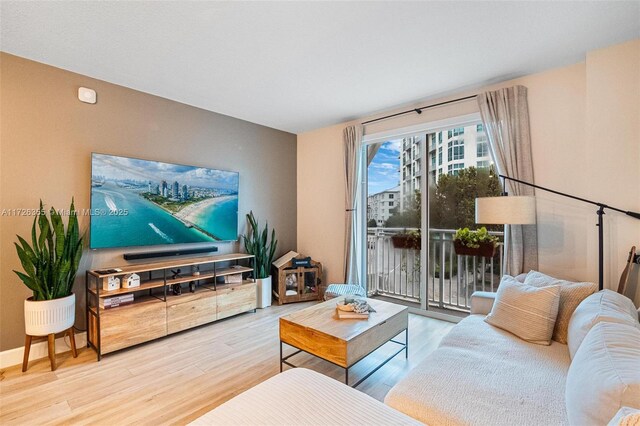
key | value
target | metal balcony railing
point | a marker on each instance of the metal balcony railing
(451, 279)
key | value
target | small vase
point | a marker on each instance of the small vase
(44, 317)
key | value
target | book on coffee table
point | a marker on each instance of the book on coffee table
(351, 315)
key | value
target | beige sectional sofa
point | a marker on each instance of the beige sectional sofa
(479, 375)
(483, 375)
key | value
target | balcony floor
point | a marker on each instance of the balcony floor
(415, 305)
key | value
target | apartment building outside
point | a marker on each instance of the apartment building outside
(380, 205)
(449, 151)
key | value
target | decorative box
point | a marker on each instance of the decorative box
(233, 278)
(111, 283)
(131, 280)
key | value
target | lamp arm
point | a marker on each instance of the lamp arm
(595, 203)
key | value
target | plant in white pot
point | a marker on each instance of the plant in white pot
(257, 244)
(50, 265)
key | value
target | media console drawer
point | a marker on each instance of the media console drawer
(132, 324)
(191, 310)
(236, 298)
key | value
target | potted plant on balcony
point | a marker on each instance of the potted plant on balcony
(408, 240)
(50, 265)
(257, 244)
(475, 243)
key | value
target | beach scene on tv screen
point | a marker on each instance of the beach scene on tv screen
(140, 202)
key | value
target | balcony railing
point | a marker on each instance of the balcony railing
(451, 279)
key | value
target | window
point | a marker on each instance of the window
(440, 156)
(479, 128)
(482, 164)
(456, 132)
(456, 149)
(439, 137)
(391, 196)
(482, 149)
(432, 137)
(439, 171)
(390, 203)
(433, 160)
(454, 169)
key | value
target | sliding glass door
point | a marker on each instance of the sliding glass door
(394, 219)
(419, 189)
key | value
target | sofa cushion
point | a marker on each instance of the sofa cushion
(526, 311)
(482, 375)
(604, 306)
(303, 397)
(571, 295)
(604, 374)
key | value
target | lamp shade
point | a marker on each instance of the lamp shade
(516, 210)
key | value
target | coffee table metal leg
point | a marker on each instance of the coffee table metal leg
(281, 356)
(346, 376)
(406, 343)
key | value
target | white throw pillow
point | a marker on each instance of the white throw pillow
(526, 311)
(604, 374)
(571, 295)
(604, 306)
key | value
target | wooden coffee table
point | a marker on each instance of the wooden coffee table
(318, 331)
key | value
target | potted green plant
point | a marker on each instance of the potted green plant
(475, 243)
(50, 265)
(257, 244)
(408, 240)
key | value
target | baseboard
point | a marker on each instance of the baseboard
(436, 315)
(39, 350)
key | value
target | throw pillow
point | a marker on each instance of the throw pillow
(571, 294)
(526, 311)
(603, 306)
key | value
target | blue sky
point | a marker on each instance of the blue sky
(113, 167)
(383, 170)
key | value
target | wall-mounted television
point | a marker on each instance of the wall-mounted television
(142, 203)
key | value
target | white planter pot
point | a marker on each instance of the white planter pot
(45, 317)
(264, 292)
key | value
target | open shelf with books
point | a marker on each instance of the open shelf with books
(173, 296)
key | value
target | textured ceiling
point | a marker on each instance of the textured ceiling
(297, 66)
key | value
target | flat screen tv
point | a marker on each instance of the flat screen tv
(141, 203)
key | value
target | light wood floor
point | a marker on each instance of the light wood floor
(177, 379)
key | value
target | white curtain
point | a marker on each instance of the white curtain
(353, 218)
(505, 116)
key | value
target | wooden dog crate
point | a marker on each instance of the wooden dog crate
(297, 284)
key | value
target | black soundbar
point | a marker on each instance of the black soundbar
(177, 252)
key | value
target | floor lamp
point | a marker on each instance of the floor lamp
(521, 210)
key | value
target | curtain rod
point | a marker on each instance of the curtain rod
(419, 110)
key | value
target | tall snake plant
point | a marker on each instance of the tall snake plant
(255, 243)
(51, 261)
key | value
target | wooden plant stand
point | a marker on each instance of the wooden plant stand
(51, 338)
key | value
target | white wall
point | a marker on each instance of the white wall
(585, 129)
